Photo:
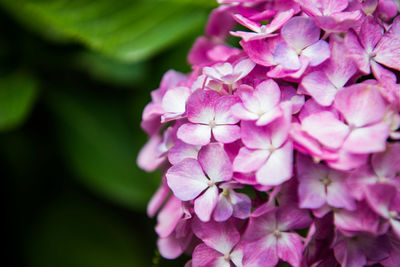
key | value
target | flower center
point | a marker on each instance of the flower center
(212, 124)
(227, 257)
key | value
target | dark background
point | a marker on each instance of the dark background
(74, 79)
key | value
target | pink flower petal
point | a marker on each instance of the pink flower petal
(174, 102)
(223, 106)
(380, 197)
(387, 164)
(195, 134)
(169, 247)
(360, 104)
(317, 52)
(169, 217)
(204, 256)
(226, 133)
(224, 210)
(181, 151)
(300, 32)
(357, 52)
(149, 157)
(286, 57)
(368, 139)
(204, 205)
(388, 51)
(249, 160)
(200, 106)
(324, 127)
(215, 162)
(255, 137)
(261, 253)
(290, 248)
(340, 67)
(220, 236)
(370, 33)
(241, 205)
(278, 167)
(186, 179)
(319, 87)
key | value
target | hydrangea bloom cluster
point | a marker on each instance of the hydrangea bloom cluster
(286, 147)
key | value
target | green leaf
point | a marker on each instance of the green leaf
(101, 146)
(77, 232)
(18, 92)
(129, 30)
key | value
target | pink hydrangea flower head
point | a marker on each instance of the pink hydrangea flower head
(286, 146)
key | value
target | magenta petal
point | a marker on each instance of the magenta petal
(241, 205)
(286, 57)
(215, 162)
(149, 157)
(380, 197)
(223, 211)
(339, 69)
(181, 151)
(261, 51)
(220, 236)
(195, 134)
(169, 217)
(223, 113)
(338, 193)
(157, 200)
(200, 106)
(317, 53)
(363, 219)
(370, 33)
(169, 247)
(388, 51)
(368, 139)
(300, 32)
(319, 87)
(268, 94)
(204, 205)
(226, 133)
(249, 160)
(360, 104)
(255, 137)
(357, 52)
(186, 179)
(261, 253)
(328, 130)
(290, 218)
(278, 167)
(387, 164)
(290, 248)
(204, 256)
(239, 111)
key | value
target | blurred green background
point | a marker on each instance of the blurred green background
(74, 79)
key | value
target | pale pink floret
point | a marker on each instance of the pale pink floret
(197, 179)
(319, 185)
(261, 31)
(220, 245)
(331, 15)
(260, 104)
(208, 112)
(228, 74)
(267, 151)
(270, 237)
(384, 199)
(323, 84)
(231, 203)
(371, 46)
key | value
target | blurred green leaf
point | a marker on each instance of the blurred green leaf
(111, 71)
(129, 30)
(76, 232)
(18, 92)
(101, 146)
